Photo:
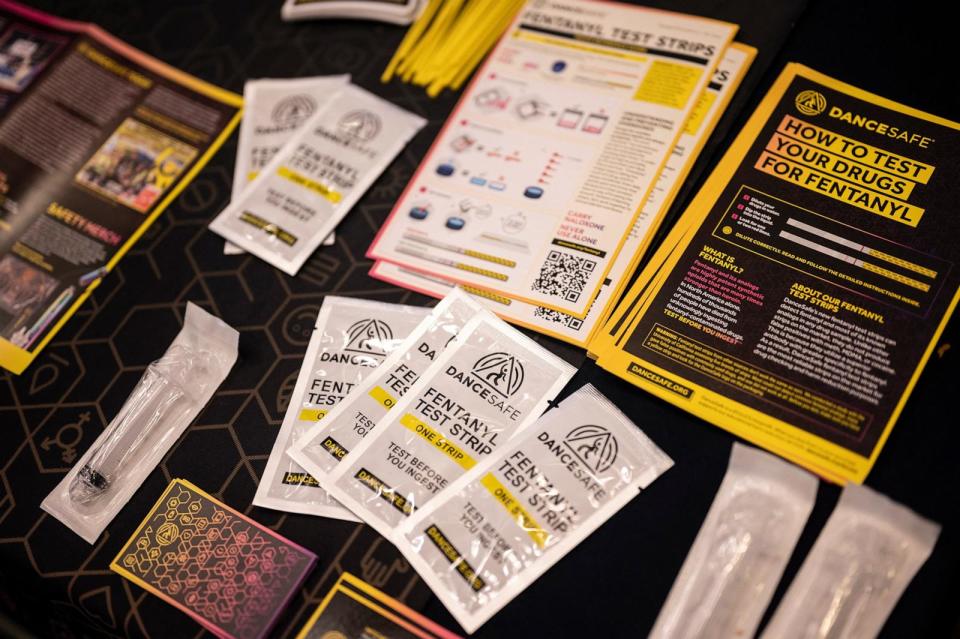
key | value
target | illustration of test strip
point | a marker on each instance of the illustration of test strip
(866, 250)
(873, 268)
(443, 246)
(452, 264)
(476, 292)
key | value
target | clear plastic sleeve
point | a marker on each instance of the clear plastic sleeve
(741, 550)
(164, 402)
(323, 446)
(514, 515)
(489, 384)
(352, 337)
(861, 563)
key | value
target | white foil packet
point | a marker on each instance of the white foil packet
(742, 548)
(518, 512)
(317, 177)
(322, 447)
(273, 110)
(394, 11)
(351, 338)
(169, 396)
(485, 387)
(861, 563)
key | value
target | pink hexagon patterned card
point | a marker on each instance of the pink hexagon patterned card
(225, 570)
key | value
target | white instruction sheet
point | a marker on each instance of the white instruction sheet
(535, 181)
(579, 331)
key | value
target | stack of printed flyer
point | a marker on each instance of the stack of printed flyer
(801, 293)
(542, 192)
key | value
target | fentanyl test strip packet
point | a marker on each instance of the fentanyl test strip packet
(273, 110)
(490, 383)
(350, 339)
(316, 178)
(863, 560)
(741, 551)
(322, 447)
(504, 523)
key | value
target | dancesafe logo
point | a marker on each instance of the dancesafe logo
(810, 102)
(360, 125)
(368, 336)
(594, 446)
(502, 372)
(292, 111)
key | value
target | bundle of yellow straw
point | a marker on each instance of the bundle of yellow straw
(448, 41)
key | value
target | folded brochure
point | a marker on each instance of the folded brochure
(84, 178)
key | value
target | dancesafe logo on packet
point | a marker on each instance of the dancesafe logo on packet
(292, 111)
(810, 102)
(594, 446)
(501, 372)
(360, 125)
(368, 337)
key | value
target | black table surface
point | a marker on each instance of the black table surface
(613, 584)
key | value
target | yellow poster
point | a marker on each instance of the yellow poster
(805, 287)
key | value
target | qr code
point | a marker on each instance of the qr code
(564, 275)
(550, 315)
